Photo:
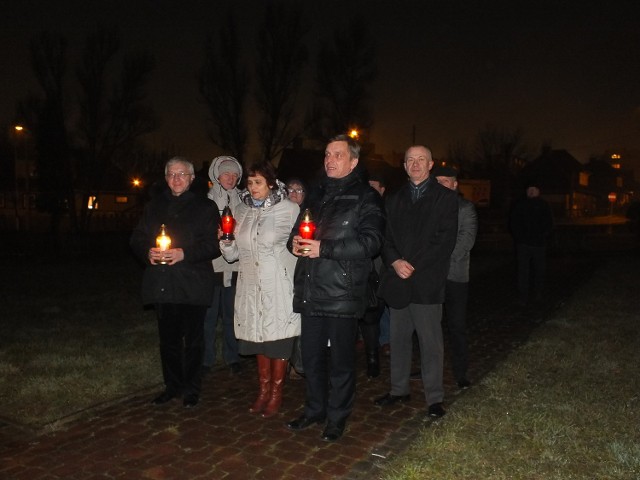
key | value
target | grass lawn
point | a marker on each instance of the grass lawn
(566, 405)
(73, 334)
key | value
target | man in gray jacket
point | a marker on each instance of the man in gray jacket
(225, 173)
(457, 289)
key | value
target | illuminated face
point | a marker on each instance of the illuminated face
(533, 192)
(228, 180)
(258, 187)
(179, 178)
(337, 160)
(450, 182)
(296, 192)
(418, 163)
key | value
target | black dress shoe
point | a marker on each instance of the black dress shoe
(190, 401)
(164, 397)
(389, 399)
(463, 384)
(333, 431)
(373, 369)
(436, 410)
(303, 422)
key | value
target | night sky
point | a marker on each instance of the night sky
(567, 73)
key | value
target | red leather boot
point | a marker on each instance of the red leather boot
(264, 372)
(278, 373)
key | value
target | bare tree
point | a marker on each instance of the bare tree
(500, 153)
(113, 115)
(459, 156)
(281, 58)
(224, 86)
(47, 114)
(346, 70)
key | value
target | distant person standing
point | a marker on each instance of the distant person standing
(331, 283)
(297, 194)
(265, 322)
(531, 224)
(377, 182)
(422, 221)
(297, 191)
(179, 281)
(370, 324)
(457, 289)
(225, 173)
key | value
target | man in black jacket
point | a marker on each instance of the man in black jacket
(330, 284)
(531, 224)
(179, 281)
(422, 222)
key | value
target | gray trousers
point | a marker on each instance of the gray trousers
(425, 320)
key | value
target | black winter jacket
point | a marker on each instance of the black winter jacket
(349, 222)
(192, 223)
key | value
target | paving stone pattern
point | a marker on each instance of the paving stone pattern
(220, 439)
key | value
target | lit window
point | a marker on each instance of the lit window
(584, 179)
(122, 199)
(92, 204)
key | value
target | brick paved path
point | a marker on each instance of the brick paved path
(219, 439)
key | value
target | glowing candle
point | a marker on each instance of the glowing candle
(307, 228)
(163, 241)
(227, 224)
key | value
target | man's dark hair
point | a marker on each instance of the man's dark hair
(354, 147)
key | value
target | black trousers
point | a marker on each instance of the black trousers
(330, 375)
(531, 270)
(181, 329)
(455, 309)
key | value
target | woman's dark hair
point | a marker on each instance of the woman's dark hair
(264, 169)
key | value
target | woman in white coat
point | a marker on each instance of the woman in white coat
(265, 323)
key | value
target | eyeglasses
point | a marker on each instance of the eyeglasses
(178, 175)
(295, 190)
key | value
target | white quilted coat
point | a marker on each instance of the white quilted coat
(264, 293)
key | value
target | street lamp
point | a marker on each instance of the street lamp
(353, 133)
(19, 130)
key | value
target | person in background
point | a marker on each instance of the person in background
(378, 183)
(297, 193)
(422, 222)
(179, 281)
(225, 173)
(457, 289)
(331, 282)
(531, 224)
(370, 324)
(265, 322)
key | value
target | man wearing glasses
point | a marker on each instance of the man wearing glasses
(179, 281)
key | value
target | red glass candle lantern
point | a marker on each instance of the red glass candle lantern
(227, 224)
(307, 228)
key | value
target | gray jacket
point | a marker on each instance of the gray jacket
(467, 229)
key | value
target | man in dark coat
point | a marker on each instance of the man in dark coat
(422, 222)
(179, 281)
(531, 223)
(331, 282)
